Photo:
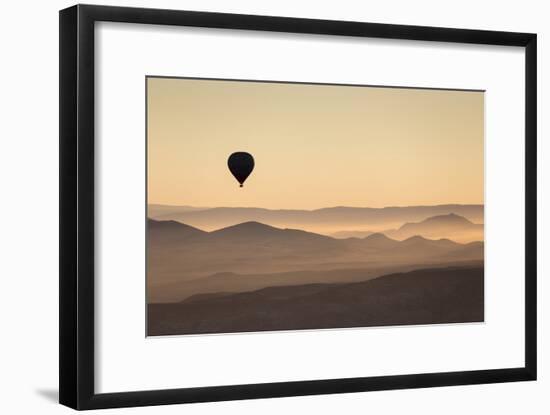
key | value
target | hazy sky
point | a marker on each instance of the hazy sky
(314, 145)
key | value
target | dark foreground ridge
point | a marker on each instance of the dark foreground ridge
(427, 296)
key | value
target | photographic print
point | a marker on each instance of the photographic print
(293, 206)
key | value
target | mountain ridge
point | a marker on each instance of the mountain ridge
(450, 225)
(425, 296)
(323, 220)
(257, 227)
(176, 252)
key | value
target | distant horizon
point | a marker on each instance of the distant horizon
(314, 209)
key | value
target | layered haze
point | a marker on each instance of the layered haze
(252, 276)
(451, 221)
(186, 260)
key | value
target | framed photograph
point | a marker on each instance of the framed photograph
(258, 207)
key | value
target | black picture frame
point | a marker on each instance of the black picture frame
(76, 279)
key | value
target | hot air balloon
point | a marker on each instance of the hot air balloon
(240, 165)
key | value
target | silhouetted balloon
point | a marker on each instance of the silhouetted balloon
(240, 165)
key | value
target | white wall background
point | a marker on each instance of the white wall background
(29, 208)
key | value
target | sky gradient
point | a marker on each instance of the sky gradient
(314, 145)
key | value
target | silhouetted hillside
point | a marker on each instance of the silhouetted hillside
(173, 227)
(230, 282)
(256, 232)
(178, 253)
(428, 296)
(380, 241)
(451, 226)
(326, 220)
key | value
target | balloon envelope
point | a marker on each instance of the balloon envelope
(240, 165)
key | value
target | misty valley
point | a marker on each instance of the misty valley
(268, 270)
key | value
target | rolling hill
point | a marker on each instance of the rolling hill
(178, 253)
(230, 282)
(326, 220)
(455, 226)
(428, 296)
